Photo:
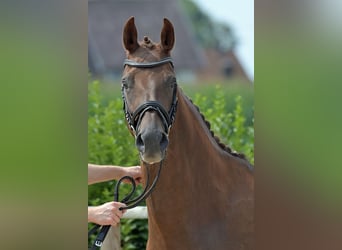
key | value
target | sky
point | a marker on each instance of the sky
(240, 16)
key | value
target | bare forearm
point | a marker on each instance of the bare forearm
(100, 173)
(91, 214)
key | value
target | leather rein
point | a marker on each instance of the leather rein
(134, 120)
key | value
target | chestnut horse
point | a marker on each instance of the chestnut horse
(204, 198)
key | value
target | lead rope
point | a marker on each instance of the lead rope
(132, 203)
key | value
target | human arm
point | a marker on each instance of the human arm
(100, 173)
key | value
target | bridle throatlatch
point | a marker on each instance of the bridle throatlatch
(134, 120)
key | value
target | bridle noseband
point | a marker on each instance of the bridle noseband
(134, 118)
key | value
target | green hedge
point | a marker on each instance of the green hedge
(109, 142)
(231, 127)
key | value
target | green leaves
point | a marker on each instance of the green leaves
(109, 141)
(231, 126)
(134, 234)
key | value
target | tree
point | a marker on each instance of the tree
(209, 33)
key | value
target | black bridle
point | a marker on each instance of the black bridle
(134, 120)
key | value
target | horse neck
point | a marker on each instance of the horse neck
(190, 137)
(194, 152)
(196, 172)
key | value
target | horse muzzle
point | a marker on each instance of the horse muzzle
(152, 145)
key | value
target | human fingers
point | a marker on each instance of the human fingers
(115, 208)
(135, 171)
(138, 175)
(122, 206)
(115, 220)
(138, 180)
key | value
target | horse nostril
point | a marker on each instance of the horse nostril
(164, 142)
(140, 143)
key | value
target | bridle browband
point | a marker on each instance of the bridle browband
(148, 64)
(134, 118)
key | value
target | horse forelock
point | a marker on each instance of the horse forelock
(148, 43)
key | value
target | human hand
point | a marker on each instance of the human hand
(106, 214)
(135, 172)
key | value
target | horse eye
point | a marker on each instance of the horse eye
(172, 81)
(124, 83)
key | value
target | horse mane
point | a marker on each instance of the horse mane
(224, 147)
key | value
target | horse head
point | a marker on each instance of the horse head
(149, 90)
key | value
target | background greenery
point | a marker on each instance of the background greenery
(229, 109)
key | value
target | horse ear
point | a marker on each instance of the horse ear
(167, 36)
(130, 35)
